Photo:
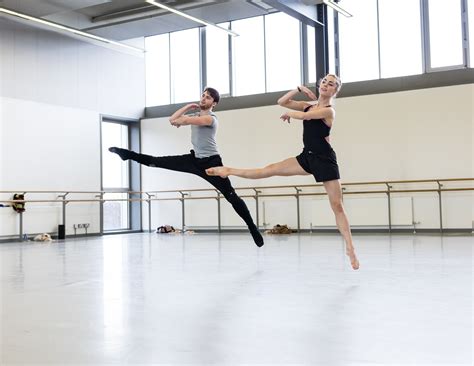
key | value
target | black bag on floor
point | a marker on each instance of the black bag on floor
(18, 206)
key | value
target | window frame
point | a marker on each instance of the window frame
(425, 17)
(335, 56)
(134, 176)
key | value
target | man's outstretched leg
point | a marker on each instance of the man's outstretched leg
(179, 163)
(132, 155)
(225, 187)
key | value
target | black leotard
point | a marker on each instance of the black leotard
(315, 132)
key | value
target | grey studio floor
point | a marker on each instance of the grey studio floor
(217, 299)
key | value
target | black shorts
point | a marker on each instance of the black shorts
(322, 166)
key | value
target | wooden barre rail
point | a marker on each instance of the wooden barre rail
(254, 187)
(242, 196)
(151, 196)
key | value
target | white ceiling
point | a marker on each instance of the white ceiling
(126, 19)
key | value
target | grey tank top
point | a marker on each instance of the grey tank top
(203, 138)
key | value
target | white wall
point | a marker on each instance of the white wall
(53, 90)
(420, 134)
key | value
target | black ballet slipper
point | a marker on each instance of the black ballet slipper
(257, 237)
(123, 153)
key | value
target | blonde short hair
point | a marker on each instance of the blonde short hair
(338, 82)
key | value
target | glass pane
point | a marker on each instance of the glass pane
(358, 41)
(217, 58)
(185, 78)
(311, 47)
(331, 41)
(445, 33)
(248, 57)
(157, 63)
(282, 48)
(400, 46)
(114, 170)
(470, 12)
(116, 212)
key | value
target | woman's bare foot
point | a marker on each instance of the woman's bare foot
(352, 256)
(221, 171)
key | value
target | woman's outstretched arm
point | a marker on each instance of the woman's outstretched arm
(287, 101)
(326, 114)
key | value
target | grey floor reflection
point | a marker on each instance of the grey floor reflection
(217, 299)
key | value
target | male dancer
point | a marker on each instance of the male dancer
(204, 155)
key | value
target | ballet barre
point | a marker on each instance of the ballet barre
(387, 188)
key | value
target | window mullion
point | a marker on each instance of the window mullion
(337, 63)
(304, 54)
(265, 54)
(465, 33)
(378, 40)
(202, 58)
(169, 69)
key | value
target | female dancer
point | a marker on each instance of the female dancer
(318, 158)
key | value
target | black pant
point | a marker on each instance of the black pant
(189, 163)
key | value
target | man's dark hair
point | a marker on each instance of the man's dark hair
(214, 94)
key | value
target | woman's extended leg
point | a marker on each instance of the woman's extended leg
(286, 167)
(334, 191)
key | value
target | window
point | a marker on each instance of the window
(248, 57)
(116, 213)
(400, 45)
(383, 39)
(445, 30)
(217, 59)
(185, 65)
(358, 41)
(282, 52)
(311, 47)
(115, 177)
(157, 63)
(331, 41)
